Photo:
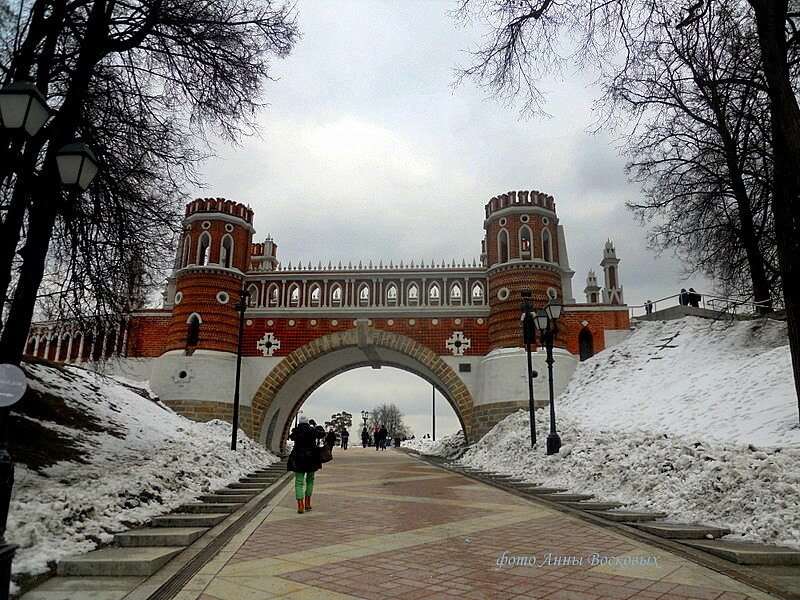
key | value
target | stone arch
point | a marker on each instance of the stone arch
(292, 380)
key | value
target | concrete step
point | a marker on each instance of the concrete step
(211, 507)
(258, 479)
(188, 520)
(746, 553)
(223, 498)
(238, 491)
(544, 490)
(682, 531)
(628, 515)
(566, 497)
(593, 505)
(159, 536)
(118, 561)
(249, 485)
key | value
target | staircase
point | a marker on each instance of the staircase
(142, 552)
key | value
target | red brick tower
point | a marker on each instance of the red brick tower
(522, 250)
(211, 263)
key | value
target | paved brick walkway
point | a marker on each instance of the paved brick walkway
(388, 527)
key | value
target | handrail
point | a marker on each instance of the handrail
(709, 301)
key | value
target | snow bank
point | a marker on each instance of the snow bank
(692, 417)
(753, 491)
(139, 459)
(447, 446)
(715, 381)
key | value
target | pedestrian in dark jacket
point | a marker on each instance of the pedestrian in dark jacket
(345, 436)
(383, 433)
(365, 438)
(694, 298)
(330, 439)
(683, 298)
(304, 461)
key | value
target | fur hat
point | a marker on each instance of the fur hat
(302, 419)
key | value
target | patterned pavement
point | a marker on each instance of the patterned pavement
(388, 527)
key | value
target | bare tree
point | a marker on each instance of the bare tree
(388, 415)
(524, 42)
(143, 83)
(700, 147)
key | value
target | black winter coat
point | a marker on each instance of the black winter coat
(304, 457)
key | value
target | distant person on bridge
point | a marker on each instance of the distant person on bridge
(648, 307)
(683, 298)
(694, 298)
(304, 460)
(345, 436)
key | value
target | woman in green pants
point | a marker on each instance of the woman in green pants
(304, 461)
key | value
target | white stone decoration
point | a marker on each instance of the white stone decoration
(178, 297)
(249, 322)
(434, 321)
(584, 323)
(458, 343)
(223, 297)
(480, 321)
(268, 344)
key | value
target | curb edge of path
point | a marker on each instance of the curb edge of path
(741, 573)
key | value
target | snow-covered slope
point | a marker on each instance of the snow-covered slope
(691, 417)
(101, 456)
(447, 446)
(754, 492)
(727, 382)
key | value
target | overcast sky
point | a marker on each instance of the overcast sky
(366, 151)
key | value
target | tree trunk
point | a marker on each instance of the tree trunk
(747, 230)
(15, 333)
(48, 195)
(771, 23)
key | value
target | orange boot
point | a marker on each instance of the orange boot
(300, 506)
(308, 502)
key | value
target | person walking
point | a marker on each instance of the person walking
(383, 434)
(304, 461)
(365, 438)
(345, 437)
(648, 307)
(330, 438)
(683, 298)
(376, 434)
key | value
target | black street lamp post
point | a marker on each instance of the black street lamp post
(23, 112)
(241, 306)
(529, 338)
(365, 416)
(547, 324)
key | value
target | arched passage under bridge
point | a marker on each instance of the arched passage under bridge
(292, 380)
